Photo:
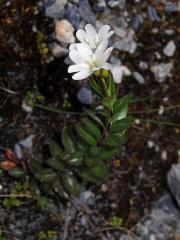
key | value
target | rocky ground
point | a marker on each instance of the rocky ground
(135, 201)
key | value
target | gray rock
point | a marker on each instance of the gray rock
(162, 71)
(84, 95)
(153, 14)
(117, 3)
(124, 237)
(136, 22)
(87, 197)
(170, 49)
(72, 15)
(85, 12)
(173, 178)
(58, 51)
(171, 7)
(55, 8)
(100, 6)
(127, 43)
(138, 77)
(64, 31)
(162, 223)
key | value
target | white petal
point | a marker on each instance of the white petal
(91, 31)
(102, 46)
(81, 75)
(110, 34)
(107, 66)
(126, 71)
(72, 46)
(76, 57)
(107, 53)
(118, 73)
(85, 50)
(77, 68)
(81, 35)
(103, 31)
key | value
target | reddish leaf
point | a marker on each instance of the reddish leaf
(9, 154)
(7, 165)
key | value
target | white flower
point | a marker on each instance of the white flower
(92, 37)
(118, 72)
(86, 60)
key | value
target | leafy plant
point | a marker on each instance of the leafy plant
(83, 154)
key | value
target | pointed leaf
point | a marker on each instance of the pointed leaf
(76, 158)
(71, 184)
(89, 139)
(46, 175)
(99, 171)
(68, 141)
(121, 125)
(92, 128)
(55, 149)
(56, 163)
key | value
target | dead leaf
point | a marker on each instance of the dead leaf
(7, 165)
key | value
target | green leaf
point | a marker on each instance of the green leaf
(108, 154)
(112, 140)
(92, 128)
(108, 102)
(55, 149)
(121, 111)
(34, 165)
(46, 175)
(56, 163)
(17, 173)
(76, 158)
(111, 85)
(71, 184)
(121, 125)
(99, 171)
(11, 202)
(89, 139)
(96, 88)
(58, 188)
(68, 141)
(124, 100)
(96, 150)
(87, 177)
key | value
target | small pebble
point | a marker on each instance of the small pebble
(100, 5)
(169, 49)
(153, 14)
(164, 155)
(161, 110)
(138, 77)
(162, 71)
(64, 31)
(84, 95)
(1, 187)
(58, 51)
(150, 144)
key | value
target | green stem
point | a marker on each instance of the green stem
(58, 111)
(159, 122)
(155, 109)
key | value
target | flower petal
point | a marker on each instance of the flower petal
(85, 50)
(103, 31)
(118, 72)
(102, 46)
(76, 57)
(91, 31)
(81, 35)
(77, 68)
(81, 75)
(107, 53)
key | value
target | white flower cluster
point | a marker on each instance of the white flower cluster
(92, 54)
